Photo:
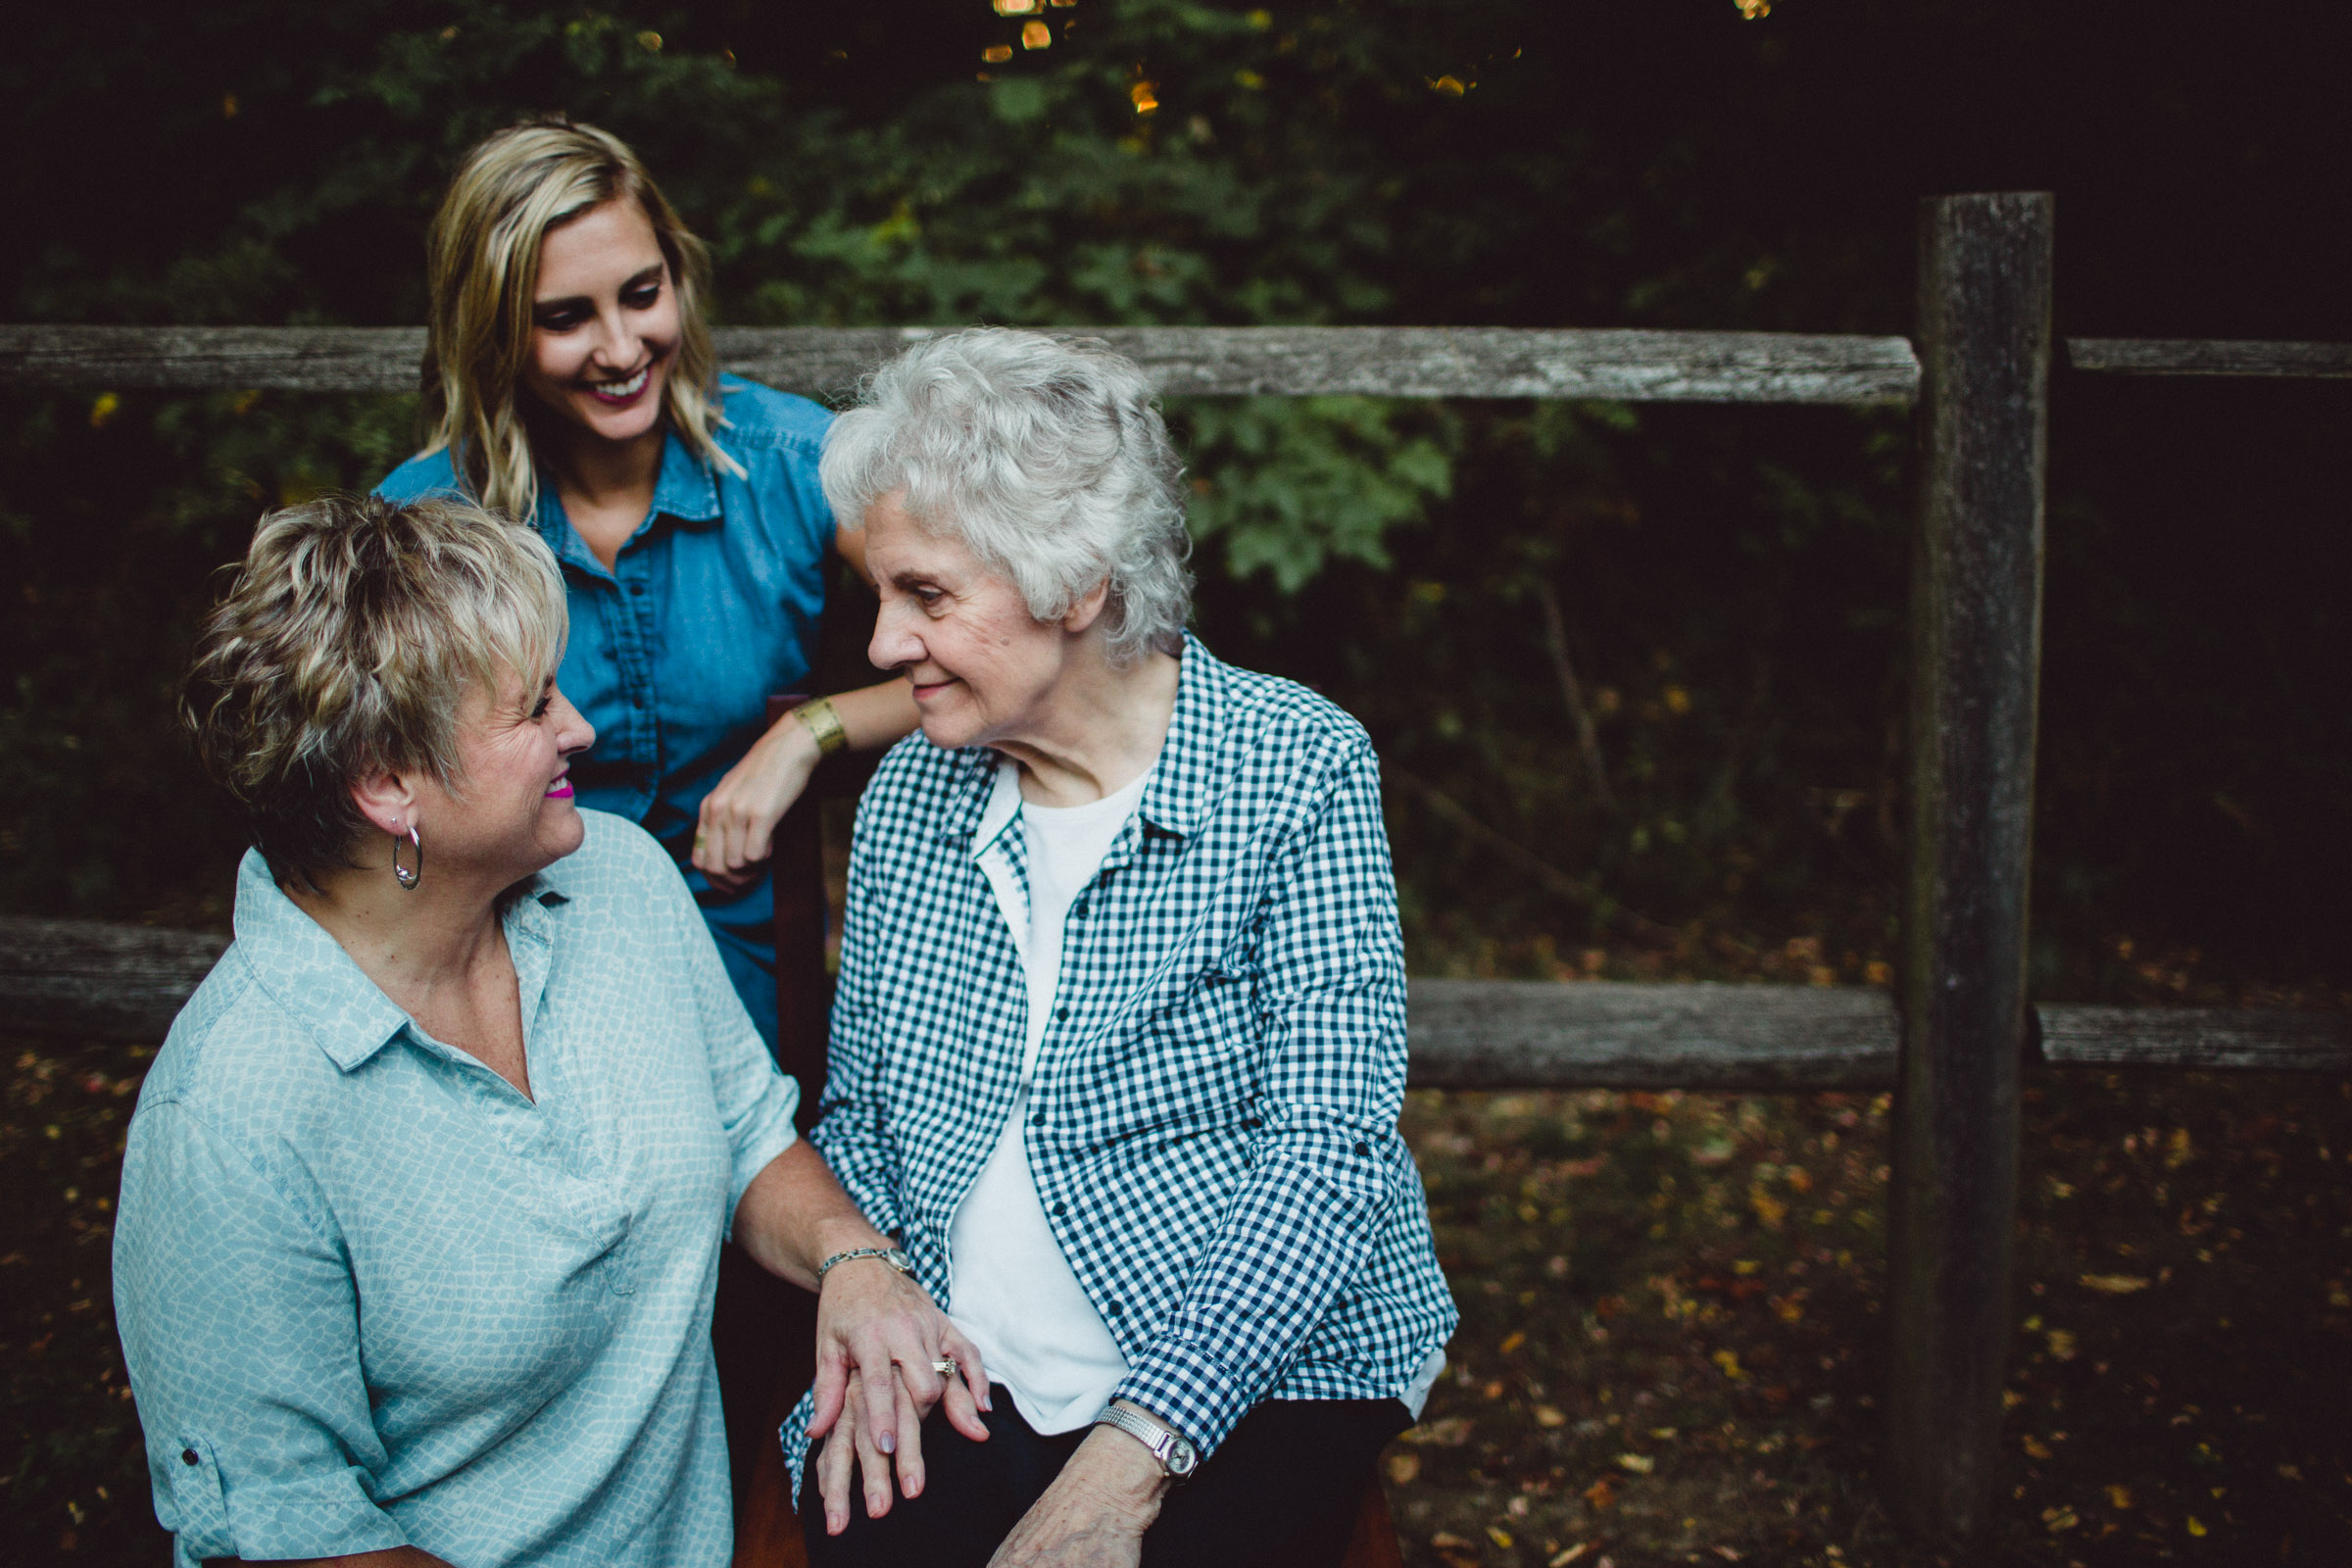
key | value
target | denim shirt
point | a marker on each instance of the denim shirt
(710, 607)
(371, 1295)
(1212, 1116)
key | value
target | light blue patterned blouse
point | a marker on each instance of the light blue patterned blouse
(371, 1295)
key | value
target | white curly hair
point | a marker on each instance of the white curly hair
(1046, 457)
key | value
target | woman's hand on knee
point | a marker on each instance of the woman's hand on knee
(1094, 1513)
(736, 830)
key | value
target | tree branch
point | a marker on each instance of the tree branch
(1572, 692)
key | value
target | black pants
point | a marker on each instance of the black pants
(1284, 1488)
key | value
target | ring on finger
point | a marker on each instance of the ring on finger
(945, 1369)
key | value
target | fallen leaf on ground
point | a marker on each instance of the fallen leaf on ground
(1451, 1432)
(1518, 1337)
(2119, 1497)
(1639, 1464)
(1600, 1493)
(1499, 1535)
(2114, 1284)
(1729, 1361)
(2196, 1526)
(2057, 1519)
(1568, 1555)
(1550, 1417)
(1402, 1467)
(2036, 1449)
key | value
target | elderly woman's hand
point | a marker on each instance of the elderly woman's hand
(735, 833)
(1094, 1513)
(879, 1336)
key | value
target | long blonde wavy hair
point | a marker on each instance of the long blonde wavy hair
(482, 270)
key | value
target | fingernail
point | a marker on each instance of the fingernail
(888, 1442)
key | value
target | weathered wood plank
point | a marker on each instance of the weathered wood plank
(2151, 356)
(1976, 649)
(1533, 1034)
(1212, 361)
(200, 359)
(118, 982)
(2260, 1039)
(106, 982)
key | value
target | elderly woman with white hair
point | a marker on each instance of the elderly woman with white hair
(1118, 1045)
(423, 1200)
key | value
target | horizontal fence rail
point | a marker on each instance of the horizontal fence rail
(118, 982)
(1220, 361)
(1438, 361)
(2150, 356)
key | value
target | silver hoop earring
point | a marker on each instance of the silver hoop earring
(406, 876)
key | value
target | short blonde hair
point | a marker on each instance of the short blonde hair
(483, 274)
(346, 647)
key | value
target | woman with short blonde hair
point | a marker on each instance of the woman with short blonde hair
(569, 383)
(422, 1201)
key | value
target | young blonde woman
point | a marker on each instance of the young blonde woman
(570, 383)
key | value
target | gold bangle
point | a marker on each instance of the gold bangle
(824, 725)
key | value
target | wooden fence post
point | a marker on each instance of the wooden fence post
(1976, 611)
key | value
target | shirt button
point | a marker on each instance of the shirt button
(1078, 910)
(638, 589)
(1363, 1148)
(1062, 1013)
(1060, 1210)
(188, 1456)
(1110, 1309)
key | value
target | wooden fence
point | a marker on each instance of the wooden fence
(1954, 1038)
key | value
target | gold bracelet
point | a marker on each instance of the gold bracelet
(824, 725)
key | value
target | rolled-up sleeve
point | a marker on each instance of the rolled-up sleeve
(242, 1330)
(1329, 1161)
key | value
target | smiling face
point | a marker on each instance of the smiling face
(604, 323)
(512, 811)
(982, 669)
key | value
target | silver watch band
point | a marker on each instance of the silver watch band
(1175, 1456)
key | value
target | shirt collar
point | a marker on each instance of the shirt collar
(306, 973)
(685, 491)
(1177, 799)
(1175, 802)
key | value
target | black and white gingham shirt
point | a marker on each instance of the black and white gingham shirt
(1212, 1126)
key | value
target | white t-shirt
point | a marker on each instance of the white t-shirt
(1011, 1287)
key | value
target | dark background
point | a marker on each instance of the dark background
(1731, 581)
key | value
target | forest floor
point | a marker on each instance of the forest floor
(1671, 1346)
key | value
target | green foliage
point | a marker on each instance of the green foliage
(1728, 585)
(1287, 485)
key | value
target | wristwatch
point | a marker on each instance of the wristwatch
(889, 1254)
(1176, 1456)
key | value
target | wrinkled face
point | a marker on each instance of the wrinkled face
(512, 812)
(604, 323)
(982, 668)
